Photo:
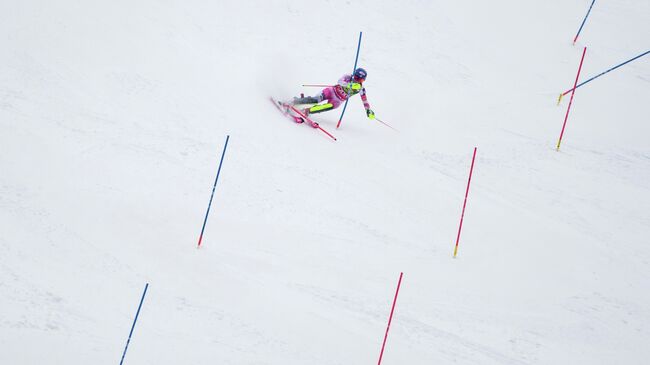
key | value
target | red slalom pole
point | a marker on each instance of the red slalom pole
(326, 132)
(573, 91)
(392, 310)
(462, 215)
(304, 116)
(601, 74)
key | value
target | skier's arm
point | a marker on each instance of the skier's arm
(366, 104)
(345, 80)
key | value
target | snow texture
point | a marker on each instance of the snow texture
(113, 116)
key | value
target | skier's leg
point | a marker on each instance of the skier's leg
(318, 100)
(308, 99)
(333, 102)
(319, 108)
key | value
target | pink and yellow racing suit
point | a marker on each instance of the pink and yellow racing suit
(336, 95)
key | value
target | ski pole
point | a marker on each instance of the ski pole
(316, 85)
(386, 124)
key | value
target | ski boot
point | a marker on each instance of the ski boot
(306, 112)
(298, 119)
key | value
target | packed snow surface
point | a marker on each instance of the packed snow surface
(114, 114)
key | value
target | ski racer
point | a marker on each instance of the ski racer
(333, 96)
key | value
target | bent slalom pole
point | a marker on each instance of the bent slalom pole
(601, 74)
(355, 67)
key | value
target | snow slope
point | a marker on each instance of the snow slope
(113, 115)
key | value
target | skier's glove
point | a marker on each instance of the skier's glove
(370, 114)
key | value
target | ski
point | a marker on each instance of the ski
(279, 106)
(284, 109)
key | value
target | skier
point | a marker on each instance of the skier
(333, 96)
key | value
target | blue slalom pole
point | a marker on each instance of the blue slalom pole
(213, 187)
(583, 22)
(355, 67)
(604, 72)
(135, 320)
